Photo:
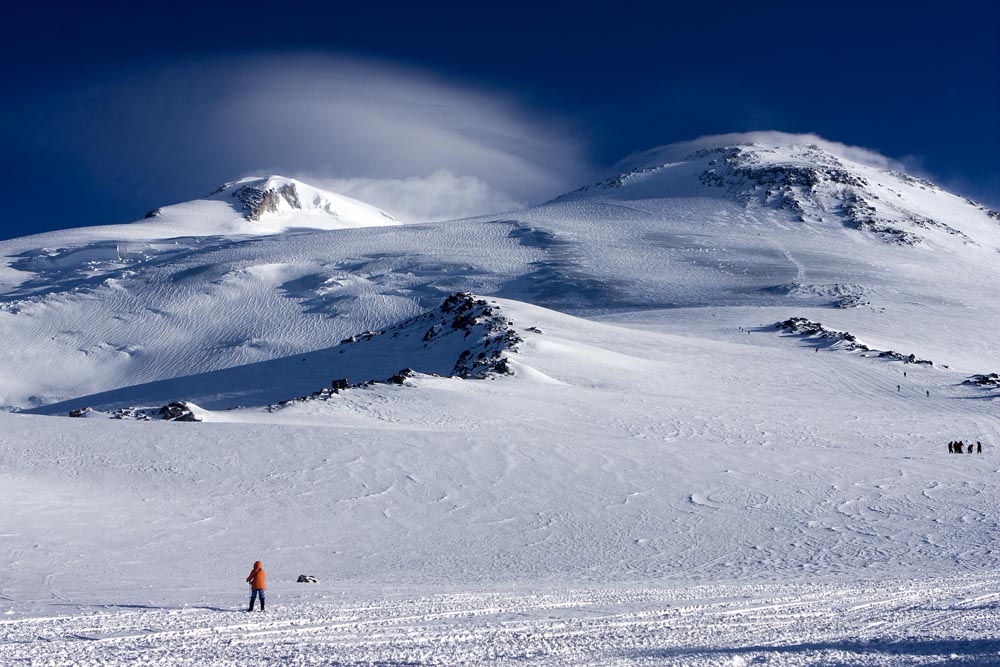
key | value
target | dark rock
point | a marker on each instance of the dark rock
(475, 318)
(988, 380)
(178, 411)
(802, 327)
(257, 200)
(306, 579)
(401, 376)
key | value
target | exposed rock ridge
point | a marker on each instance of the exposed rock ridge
(801, 326)
(256, 200)
(487, 336)
(178, 411)
(987, 381)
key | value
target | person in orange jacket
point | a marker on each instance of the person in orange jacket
(258, 584)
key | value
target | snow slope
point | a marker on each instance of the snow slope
(464, 337)
(616, 459)
(88, 317)
(665, 477)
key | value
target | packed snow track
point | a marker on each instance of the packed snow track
(924, 622)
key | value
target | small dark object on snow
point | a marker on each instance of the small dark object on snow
(534, 330)
(401, 376)
(79, 412)
(339, 385)
(306, 579)
(979, 447)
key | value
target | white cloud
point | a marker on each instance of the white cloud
(379, 130)
(440, 195)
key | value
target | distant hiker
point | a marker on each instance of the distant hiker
(928, 392)
(979, 447)
(257, 584)
(951, 447)
(904, 373)
(958, 447)
(970, 447)
(897, 387)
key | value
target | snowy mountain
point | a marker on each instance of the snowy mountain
(713, 224)
(718, 385)
(283, 203)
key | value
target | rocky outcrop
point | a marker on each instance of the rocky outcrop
(256, 200)
(806, 180)
(818, 183)
(988, 381)
(178, 411)
(801, 326)
(473, 329)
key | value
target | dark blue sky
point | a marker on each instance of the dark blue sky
(115, 108)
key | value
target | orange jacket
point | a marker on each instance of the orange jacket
(257, 577)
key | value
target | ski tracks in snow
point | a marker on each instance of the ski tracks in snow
(914, 622)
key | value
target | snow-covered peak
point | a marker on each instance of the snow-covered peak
(814, 180)
(248, 207)
(795, 147)
(278, 199)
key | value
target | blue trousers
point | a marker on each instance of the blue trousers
(254, 592)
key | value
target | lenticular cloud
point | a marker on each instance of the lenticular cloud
(429, 147)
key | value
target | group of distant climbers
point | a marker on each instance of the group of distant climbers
(959, 447)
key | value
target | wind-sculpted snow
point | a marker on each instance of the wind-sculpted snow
(649, 487)
(93, 310)
(604, 457)
(463, 337)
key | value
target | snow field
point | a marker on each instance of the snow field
(666, 479)
(914, 622)
(717, 462)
